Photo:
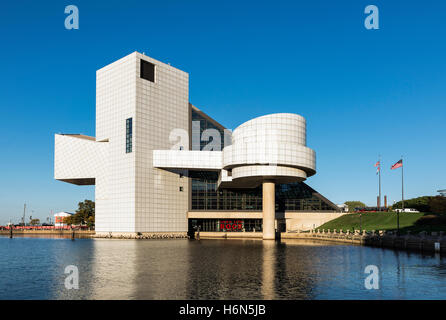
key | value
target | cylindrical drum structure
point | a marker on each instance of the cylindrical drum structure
(267, 150)
(271, 146)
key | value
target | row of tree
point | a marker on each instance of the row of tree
(84, 215)
(428, 204)
(354, 204)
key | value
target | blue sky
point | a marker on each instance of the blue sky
(363, 92)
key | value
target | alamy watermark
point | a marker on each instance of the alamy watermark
(72, 20)
(180, 138)
(372, 20)
(372, 280)
(72, 280)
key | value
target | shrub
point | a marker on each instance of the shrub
(437, 204)
(431, 220)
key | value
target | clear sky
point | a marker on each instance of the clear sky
(363, 92)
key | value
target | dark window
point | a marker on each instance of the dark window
(295, 196)
(298, 196)
(181, 188)
(205, 195)
(128, 135)
(147, 71)
(204, 125)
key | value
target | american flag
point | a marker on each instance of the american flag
(397, 165)
(378, 164)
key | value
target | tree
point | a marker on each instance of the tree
(354, 204)
(424, 204)
(85, 214)
(34, 222)
(69, 220)
(421, 204)
(437, 204)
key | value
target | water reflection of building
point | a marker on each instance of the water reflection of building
(296, 276)
(64, 253)
(269, 270)
(162, 165)
(113, 269)
(222, 269)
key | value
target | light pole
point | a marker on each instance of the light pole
(397, 219)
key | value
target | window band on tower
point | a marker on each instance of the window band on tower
(128, 135)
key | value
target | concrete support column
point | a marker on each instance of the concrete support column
(269, 210)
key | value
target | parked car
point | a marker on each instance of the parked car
(411, 210)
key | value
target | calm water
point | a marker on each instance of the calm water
(33, 268)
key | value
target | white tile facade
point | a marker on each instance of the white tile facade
(131, 195)
(275, 139)
(161, 107)
(79, 157)
(184, 159)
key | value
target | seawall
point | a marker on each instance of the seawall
(52, 232)
(422, 242)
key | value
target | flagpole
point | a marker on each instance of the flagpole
(379, 172)
(402, 182)
(402, 198)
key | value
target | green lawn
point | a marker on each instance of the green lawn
(380, 221)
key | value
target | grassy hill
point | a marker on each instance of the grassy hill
(386, 221)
